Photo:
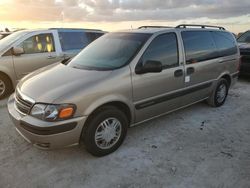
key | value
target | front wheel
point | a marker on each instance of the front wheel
(105, 131)
(5, 86)
(219, 95)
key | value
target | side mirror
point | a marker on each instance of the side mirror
(149, 67)
(17, 51)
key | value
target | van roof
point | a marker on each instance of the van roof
(64, 29)
(75, 29)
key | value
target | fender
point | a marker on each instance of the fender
(109, 99)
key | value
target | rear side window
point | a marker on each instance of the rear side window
(199, 46)
(163, 48)
(73, 40)
(41, 43)
(225, 43)
(93, 36)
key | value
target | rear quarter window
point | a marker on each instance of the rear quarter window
(73, 40)
(225, 43)
(199, 46)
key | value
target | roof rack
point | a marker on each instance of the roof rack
(201, 26)
(153, 26)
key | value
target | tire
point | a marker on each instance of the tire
(5, 86)
(94, 136)
(219, 94)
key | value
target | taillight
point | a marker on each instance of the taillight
(240, 61)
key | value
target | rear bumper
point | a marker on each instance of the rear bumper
(46, 135)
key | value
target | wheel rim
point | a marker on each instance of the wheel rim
(2, 87)
(221, 93)
(108, 133)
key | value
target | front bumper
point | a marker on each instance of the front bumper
(46, 135)
(245, 63)
(245, 69)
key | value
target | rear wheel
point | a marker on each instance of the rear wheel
(105, 131)
(5, 86)
(219, 95)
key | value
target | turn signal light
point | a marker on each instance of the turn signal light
(66, 113)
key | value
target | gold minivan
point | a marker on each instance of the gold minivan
(120, 80)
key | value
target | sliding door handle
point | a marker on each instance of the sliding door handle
(178, 73)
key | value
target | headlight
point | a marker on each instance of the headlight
(53, 112)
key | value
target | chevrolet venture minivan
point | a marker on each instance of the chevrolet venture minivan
(120, 80)
(27, 50)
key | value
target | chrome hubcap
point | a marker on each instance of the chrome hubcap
(108, 133)
(221, 93)
(2, 87)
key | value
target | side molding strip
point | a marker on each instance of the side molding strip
(171, 96)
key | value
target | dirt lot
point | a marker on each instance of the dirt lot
(195, 147)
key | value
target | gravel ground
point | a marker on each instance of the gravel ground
(195, 147)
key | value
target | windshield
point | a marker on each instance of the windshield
(245, 37)
(109, 52)
(10, 39)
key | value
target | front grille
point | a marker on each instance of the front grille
(22, 105)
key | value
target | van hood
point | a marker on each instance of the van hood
(52, 82)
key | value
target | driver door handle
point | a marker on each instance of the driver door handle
(190, 70)
(51, 57)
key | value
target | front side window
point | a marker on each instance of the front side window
(109, 52)
(245, 37)
(73, 40)
(42, 43)
(163, 48)
(199, 46)
(225, 43)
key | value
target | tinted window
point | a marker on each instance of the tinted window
(93, 36)
(42, 43)
(73, 40)
(164, 49)
(109, 52)
(199, 46)
(245, 37)
(225, 43)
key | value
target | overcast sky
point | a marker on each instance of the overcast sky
(35, 12)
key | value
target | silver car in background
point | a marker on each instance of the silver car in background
(120, 80)
(27, 50)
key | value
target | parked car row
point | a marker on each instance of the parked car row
(244, 45)
(119, 80)
(27, 50)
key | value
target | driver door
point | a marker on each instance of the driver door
(39, 51)
(156, 93)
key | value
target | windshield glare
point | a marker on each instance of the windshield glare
(245, 37)
(111, 51)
